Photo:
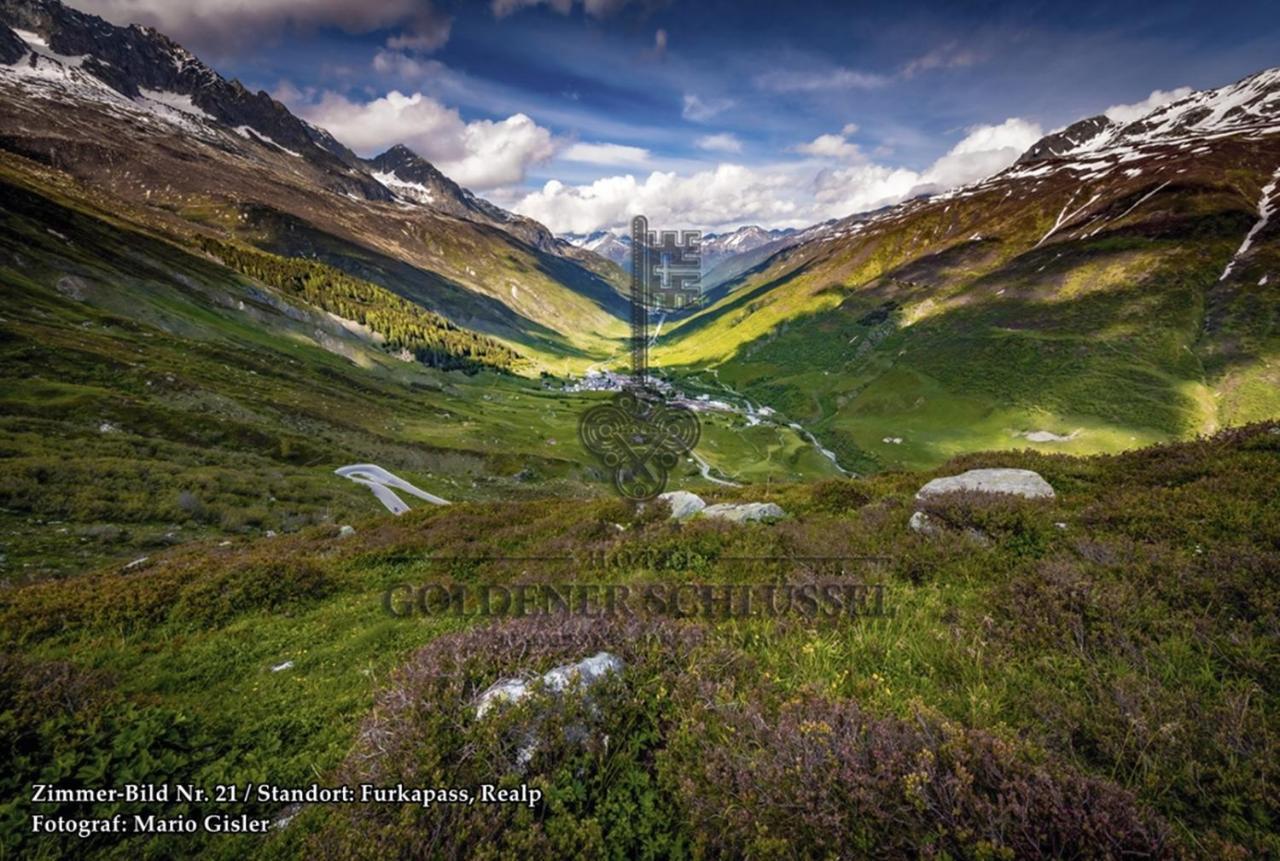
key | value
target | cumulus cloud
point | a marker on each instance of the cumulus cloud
(723, 142)
(830, 146)
(844, 191)
(983, 151)
(480, 155)
(1138, 110)
(223, 24)
(701, 110)
(780, 195)
(290, 94)
(706, 198)
(401, 65)
(606, 154)
(839, 78)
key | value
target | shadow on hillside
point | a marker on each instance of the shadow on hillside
(294, 237)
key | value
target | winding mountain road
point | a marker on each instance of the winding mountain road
(380, 481)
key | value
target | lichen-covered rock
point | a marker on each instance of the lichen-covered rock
(1018, 482)
(683, 504)
(581, 675)
(744, 512)
(584, 673)
(920, 523)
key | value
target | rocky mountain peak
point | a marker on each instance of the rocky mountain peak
(1073, 136)
(1250, 103)
(12, 48)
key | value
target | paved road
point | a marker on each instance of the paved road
(380, 482)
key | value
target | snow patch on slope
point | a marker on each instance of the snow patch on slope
(250, 133)
(176, 101)
(1265, 211)
(412, 190)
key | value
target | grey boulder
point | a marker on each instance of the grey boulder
(683, 504)
(584, 673)
(1017, 482)
(579, 676)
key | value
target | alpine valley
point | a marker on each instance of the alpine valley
(211, 304)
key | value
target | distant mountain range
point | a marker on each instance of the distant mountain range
(718, 249)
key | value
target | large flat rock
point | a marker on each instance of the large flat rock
(1018, 482)
(744, 512)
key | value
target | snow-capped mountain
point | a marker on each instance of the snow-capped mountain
(410, 177)
(132, 115)
(1250, 104)
(605, 243)
(54, 54)
(60, 52)
(717, 248)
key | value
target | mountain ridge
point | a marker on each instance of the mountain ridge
(297, 191)
(1118, 289)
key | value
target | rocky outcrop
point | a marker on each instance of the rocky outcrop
(12, 48)
(685, 505)
(1018, 482)
(134, 60)
(1074, 135)
(921, 523)
(1014, 482)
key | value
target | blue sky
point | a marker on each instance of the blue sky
(777, 113)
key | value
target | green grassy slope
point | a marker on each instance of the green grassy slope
(958, 324)
(222, 184)
(1103, 663)
(152, 396)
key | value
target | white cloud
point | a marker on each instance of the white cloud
(286, 92)
(660, 42)
(830, 146)
(223, 24)
(948, 56)
(723, 142)
(598, 9)
(1013, 133)
(701, 110)
(606, 153)
(426, 30)
(1138, 110)
(844, 191)
(499, 153)
(478, 155)
(849, 130)
(785, 194)
(839, 78)
(983, 151)
(401, 65)
(706, 198)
